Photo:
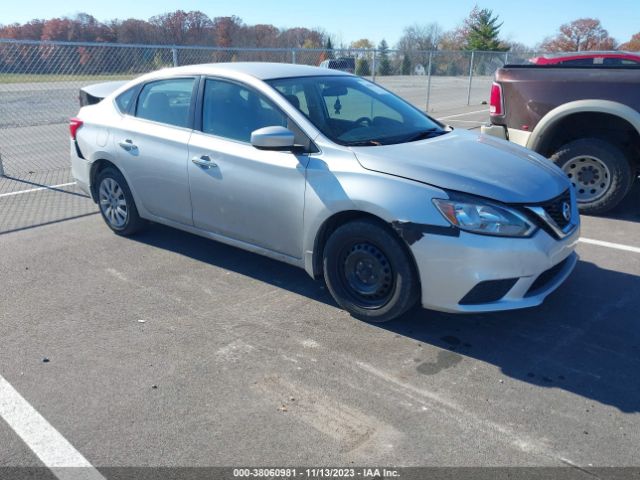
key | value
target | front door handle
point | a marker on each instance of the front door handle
(203, 161)
(128, 145)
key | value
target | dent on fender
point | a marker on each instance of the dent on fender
(412, 232)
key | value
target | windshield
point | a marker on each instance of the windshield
(353, 111)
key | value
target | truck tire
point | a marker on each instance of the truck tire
(600, 172)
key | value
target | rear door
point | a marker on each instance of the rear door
(153, 147)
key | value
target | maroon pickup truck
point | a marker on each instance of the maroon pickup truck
(585, 119)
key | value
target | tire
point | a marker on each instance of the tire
(600, 171)
(116, 203)
(369, 271)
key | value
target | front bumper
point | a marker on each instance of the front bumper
(450, 268)
(494, 130)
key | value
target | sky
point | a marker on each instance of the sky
(347, 20)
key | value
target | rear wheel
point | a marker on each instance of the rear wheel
(599, 171)
(116, 203)
(369, 272)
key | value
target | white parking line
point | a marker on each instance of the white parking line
(64, 461)
(463, 114)
(47, 187)
(617, 246)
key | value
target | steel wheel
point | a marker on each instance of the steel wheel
(590, 177)
(366, 274)
(369, 271)
(113, 203)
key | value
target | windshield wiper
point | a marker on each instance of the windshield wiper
(424, 134)
(363, 143)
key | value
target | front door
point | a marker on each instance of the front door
(238, 191)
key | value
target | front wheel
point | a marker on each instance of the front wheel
(599, 171)
(369, 272)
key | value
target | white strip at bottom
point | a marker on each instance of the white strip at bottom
(486, 110)
(64, 461)
(617, 246)
(48, 187)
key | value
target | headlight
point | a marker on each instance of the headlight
(481, 216)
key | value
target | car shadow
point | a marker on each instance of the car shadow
(584, 339)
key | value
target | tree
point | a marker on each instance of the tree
(363, 43)
(329, 48)
(406, 64)
(452, 40)
(632, 45)
(300, 38)
(263, 36)
(579, 35)
(362, 67)
(226, 30)
(132, 30)
(171, 27)
(384, 65)
(29, 31)
(85, 28)
(56, 29)
(199, 28)
(483, 31)
(420, 37)
(417, 41)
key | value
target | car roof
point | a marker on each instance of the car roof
(260, 70)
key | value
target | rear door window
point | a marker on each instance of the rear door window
(166, 101)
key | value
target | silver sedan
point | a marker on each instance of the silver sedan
(329, 172)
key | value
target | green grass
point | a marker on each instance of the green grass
(34, 78)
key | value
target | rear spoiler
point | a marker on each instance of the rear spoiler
(92, 94)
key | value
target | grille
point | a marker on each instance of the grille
(554, 209)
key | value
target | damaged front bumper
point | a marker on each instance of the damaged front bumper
(469, 273)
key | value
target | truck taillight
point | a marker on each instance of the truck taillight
(74, 125)
(496, 103)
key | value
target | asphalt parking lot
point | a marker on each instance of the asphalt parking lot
(171, 350)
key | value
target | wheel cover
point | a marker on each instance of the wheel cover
(366, 274)
(590, 177)
(113, 203)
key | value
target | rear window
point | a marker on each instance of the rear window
(166, 101)
(124, 100)
(578, 62)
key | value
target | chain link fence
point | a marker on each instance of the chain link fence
(40, 82)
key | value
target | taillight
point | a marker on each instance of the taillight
(496, 103)
(74, 125)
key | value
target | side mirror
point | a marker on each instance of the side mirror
(273, 138)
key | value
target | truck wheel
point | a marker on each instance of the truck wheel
(600, 172)
(369, 272)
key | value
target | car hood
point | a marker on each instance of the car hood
(470, 163)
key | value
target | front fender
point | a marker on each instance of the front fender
(354, 189)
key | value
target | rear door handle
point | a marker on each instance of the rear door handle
(204, 161)
(128, 145)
